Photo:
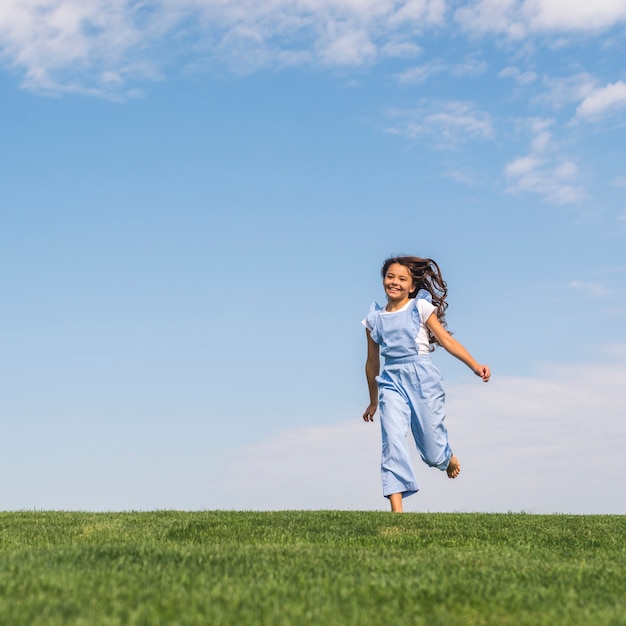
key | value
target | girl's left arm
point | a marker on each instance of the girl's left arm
(372, 369)
(455, 348)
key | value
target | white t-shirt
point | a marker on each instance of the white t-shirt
(425, 310)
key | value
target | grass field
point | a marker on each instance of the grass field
(315, 567)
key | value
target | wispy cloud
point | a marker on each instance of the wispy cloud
(595, 288)
(566, 90)
(554, 183)
(544, 171)
(464, 175)
(520, 18)
(594, 101)
(605, 284)
(447, 124)
(520, 77)
(107, 46)
(73, 45)
(99, 46)
(603, 101)
(400, 49)
(493, 16)
(620, 221)
(525, 444)
(560, 15)
(421, 73)
(471, 66)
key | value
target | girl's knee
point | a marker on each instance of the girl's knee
(437, 458)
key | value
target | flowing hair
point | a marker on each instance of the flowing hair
(426, 275)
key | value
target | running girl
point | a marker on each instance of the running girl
(409, 391)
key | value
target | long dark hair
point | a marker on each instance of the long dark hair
(426, 275)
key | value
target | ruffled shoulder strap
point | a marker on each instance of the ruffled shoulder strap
(372, 321)
(374, 311)
(422, 294)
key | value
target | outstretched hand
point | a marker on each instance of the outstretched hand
(484, 372)
(368, 416)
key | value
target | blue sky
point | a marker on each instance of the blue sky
(195, 201)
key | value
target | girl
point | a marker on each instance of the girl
(408, 392)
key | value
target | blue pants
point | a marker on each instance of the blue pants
(411, 396)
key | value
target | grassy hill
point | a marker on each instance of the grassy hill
(311, 567)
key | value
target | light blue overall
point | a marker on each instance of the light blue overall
(410, 395)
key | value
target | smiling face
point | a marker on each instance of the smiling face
(398, 284)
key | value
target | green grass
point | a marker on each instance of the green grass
(317, 567)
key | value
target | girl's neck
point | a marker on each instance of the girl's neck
(394, 305)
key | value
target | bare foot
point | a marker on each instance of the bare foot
(454, 467)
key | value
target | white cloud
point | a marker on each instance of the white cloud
(594, 288)
(583, 89)
(544, 171)
(400, 50)
(564, 15)
(447, 123)
(554, 183)
(79, 45)
(75, 45)
(567, 90)
(349, 48)
(519, 18)
(522, 166)
(471, 66)
(416, 11)
(606, 285)
(521, 78)
(551, 442)
(620, 220)
(422, 73)
(492, 16)
(540, 444)
(603, 101)
(464, 118)
(463, 175)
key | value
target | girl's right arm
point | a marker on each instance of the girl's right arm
(372, 369)
(456, 349)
